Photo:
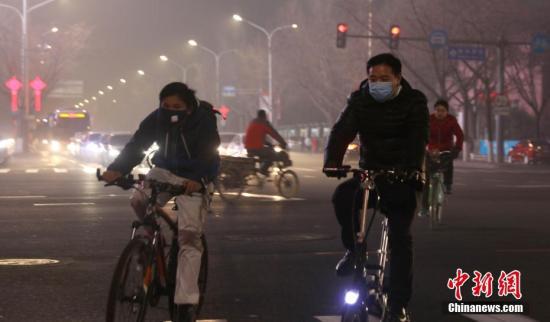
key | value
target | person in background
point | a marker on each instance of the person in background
(255, 141)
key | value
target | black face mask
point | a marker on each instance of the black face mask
(167, 116)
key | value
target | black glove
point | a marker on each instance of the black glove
(340, 173)
(454, 153)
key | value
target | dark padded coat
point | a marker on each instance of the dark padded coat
(198, 130)
(393, 134)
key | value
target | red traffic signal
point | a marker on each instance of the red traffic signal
(395, 32)
(341, 32)
(342, 27)
(224, 110)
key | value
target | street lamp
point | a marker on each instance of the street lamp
(217, 58)
(54, 29)
(141, 72)
(123, 81)
(182, 68)
(269, 35)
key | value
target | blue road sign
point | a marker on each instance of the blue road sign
(466, 53)
(540, 43)
(229, 91)
(438, 39)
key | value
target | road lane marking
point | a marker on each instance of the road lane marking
(307, 169)
(337, 318)
(61, 204)
(525, 250)
(5, 170)
(58, 170)
(31, 171)
(21, 197)
(204, 320)
(254, 195)
(525, 186)
(27, 261)
(499, 318)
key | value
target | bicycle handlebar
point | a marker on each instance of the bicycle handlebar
(128, 182)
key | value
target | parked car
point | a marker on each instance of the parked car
(530, 151)
(110, 146)
(232, 144)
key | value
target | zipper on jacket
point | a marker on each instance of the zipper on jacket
(166, 145)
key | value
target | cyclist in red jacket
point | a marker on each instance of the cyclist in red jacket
(445, 135)
(255, 141)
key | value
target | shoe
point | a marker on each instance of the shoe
(345, 265)
(400, 315)
(448, 189)
(423, 212)
(186, 313)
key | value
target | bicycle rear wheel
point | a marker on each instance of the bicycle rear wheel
(230, 185)
(127, 299)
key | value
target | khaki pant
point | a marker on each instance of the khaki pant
(190, 218)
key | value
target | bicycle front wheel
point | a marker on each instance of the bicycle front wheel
(288, 184)
(355, 314)
(127, 299)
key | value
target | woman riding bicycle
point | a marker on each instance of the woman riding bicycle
(185, 130)
(445, 135)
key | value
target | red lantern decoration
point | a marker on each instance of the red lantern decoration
(37, 84)
(14, 85)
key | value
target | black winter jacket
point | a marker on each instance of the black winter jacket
(198, 130)
(393, 134)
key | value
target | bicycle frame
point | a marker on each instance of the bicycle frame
(369, 285)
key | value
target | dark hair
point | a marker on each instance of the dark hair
(385, 59)
(182, 91)
(262, 114)
(442, 102)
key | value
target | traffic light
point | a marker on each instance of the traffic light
(395, 31)
(341, 32)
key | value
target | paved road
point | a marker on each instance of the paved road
(271, 259)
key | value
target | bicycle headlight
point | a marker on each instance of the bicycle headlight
(353, 146)
(351, 297)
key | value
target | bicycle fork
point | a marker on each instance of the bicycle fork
(358, 294)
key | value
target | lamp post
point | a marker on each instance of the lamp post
(217, 58)
(182, 68)
(23, 15)
(269, 35)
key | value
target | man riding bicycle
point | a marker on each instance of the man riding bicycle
(392, 121)
(255, 141)
(185, 130)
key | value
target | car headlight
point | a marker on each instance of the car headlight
(277, 149)
(55, 146)
(6, 143)
(114, 153)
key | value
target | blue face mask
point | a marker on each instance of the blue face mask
(381, 91)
